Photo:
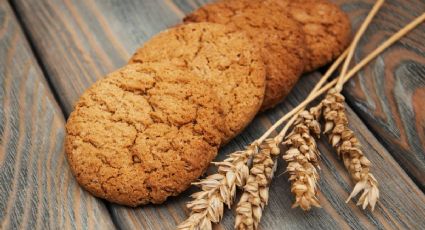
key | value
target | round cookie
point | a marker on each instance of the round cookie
(327, 28)
(226, 59)
(279, 37)
(143, 133)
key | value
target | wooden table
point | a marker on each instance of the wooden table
(51, 50)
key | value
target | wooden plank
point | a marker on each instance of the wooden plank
(389, 93)
(91, 38)
(37, 190)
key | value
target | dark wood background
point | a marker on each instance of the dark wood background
(52, 50)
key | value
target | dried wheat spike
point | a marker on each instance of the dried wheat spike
(256, 191)
(218, 189)
(348, 148)
(303, 157)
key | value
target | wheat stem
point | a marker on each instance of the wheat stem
(319, 84)
(355, 41)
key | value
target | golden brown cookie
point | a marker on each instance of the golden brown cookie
(279, 37)
(226, 59)
(327, 28)
(143, 133)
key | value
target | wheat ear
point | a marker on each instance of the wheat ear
(218, 189)
(348, 146)
(256, 190)
(302, 157)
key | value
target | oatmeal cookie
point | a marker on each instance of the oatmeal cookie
(143, 133)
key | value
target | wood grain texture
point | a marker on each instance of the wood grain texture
(37, 190)
(390, 92)
(80, 41)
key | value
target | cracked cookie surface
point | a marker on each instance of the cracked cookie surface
(143, 133)
(327, 28)
(227, 59)
(278, 36)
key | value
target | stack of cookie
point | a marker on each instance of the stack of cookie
(149, 129)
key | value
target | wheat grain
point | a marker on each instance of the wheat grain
(218, 189)
(302, 157)
(348, 148)
(256, 190)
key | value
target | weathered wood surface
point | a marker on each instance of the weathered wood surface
(37, 190)
(389, 93)
(79, 41)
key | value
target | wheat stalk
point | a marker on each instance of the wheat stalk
(302, 162)
(256, 190)
(378, 4)
(342, 137)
